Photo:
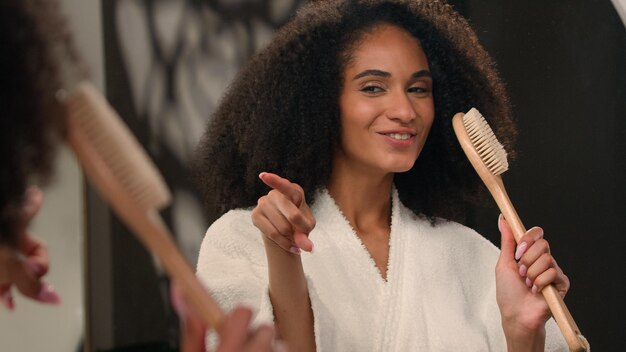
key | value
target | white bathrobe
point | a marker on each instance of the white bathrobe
(439, 294)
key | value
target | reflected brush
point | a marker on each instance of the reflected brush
(489, 158)
(122, 172)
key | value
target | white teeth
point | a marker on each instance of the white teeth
(401, 136)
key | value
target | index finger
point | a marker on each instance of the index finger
(233, 333)
(529, 238)
(35, 253)
(33, 200)
(284, 186)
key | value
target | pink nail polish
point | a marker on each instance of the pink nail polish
(35, 267)
(294, 250)
(7, 300)
(48, 295)
(522, 270)
(528, 282)
(521, 249)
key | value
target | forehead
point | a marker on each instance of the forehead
(388, 47)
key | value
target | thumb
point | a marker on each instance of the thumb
(507, 241)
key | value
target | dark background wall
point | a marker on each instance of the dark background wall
(564, 63)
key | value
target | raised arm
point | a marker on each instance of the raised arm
(285, 220)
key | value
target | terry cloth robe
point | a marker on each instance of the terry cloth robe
(440, 292)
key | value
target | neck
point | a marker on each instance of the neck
(364, 199)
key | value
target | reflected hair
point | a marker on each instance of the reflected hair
(281, 113)
(31, 118)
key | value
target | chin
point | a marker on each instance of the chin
(402, 167)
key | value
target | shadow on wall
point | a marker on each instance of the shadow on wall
(563, 63)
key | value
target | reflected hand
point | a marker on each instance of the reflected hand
(283, 215)
(234, 333)
(25, 265)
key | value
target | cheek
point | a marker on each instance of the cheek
(427, 112)
(357, 116)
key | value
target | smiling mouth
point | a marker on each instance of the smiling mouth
(399, 136)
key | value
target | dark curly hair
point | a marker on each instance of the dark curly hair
(32, 35)
(281, 113)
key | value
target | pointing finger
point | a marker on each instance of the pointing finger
(284, 186)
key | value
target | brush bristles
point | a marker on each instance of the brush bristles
(117, 146)
(485, 142)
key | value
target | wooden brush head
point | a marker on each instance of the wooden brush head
(102, 131)
(485, 142)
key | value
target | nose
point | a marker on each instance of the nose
(401, 108)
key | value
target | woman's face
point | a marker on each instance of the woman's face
(386, 103)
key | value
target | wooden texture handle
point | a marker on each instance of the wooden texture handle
(561, 314)
(559, 310)
(147, 226)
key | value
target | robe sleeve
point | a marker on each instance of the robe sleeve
(233, 267)
(555, 342)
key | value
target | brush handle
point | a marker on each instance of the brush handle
(147, 226)
(559, 310)
(575, 340)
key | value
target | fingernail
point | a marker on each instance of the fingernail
(294, 250)
(261, 175)
(522, 270)
(534, 289)
(35, 267)
(500, 218)
(528, 282)
(521, 249)
(48, 295)
(7, 300)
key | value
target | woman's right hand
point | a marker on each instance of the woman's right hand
(283, 215)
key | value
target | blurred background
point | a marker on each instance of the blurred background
(164, 65)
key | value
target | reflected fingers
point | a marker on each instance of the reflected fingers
(261, 339)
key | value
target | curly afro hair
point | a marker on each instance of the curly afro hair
(281, 113)
(31, 119)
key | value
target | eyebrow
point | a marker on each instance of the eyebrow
(422, 73)
(380, 73)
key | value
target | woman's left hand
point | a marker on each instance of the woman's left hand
(24, 267)
(523, 270)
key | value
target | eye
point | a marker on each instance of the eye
(420, 90)
(372, 89)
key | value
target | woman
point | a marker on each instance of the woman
(346, 117)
